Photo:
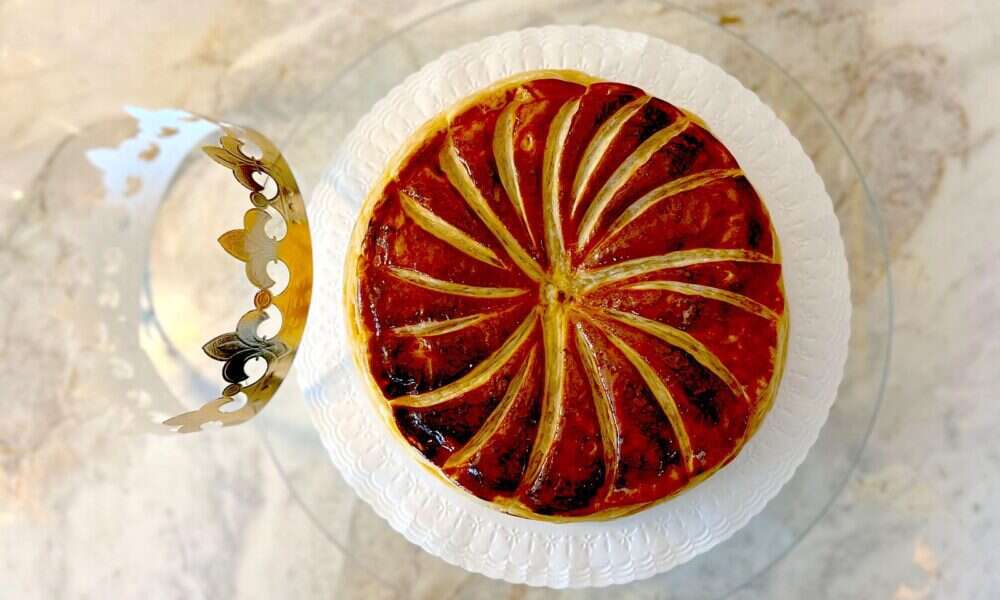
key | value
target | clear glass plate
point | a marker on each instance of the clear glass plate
(367, 543)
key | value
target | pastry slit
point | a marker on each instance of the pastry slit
(712, 293)
(662, 395)
(592, 279)
(434, 328)
(503, 154)
(625, 172)
(685, 342)
(551, 219)
(661, 193)
(599, 145)
(606, 418)
(446, 232)
(458, 175)
(495, 420)
(477, 376)
(550, 423)
(425, 281)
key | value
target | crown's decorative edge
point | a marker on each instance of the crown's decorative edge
(253, 246)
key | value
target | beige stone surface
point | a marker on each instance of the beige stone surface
(89, 511)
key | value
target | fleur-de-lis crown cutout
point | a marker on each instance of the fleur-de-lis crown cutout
(256, 162)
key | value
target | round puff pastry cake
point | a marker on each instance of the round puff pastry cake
(566, 296)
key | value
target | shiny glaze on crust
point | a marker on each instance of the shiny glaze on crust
(570, 298)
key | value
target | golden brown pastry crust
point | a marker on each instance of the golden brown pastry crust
(565, 296)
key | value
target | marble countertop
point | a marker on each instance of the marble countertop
(88, 513)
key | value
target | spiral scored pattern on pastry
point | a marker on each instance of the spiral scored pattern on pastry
(568, 298)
